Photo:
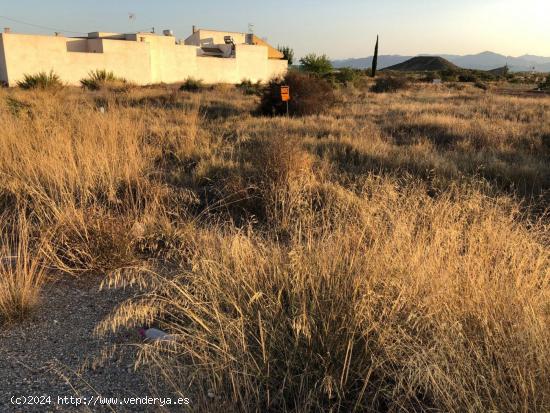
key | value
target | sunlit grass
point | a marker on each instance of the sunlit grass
(390, 254)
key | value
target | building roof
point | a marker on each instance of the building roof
(249, 38)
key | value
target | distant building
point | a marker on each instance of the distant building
(142, 58)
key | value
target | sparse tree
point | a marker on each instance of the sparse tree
(288, 54)
(320, 65)
(375, 59)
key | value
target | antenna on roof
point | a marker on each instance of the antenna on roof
(251, 28)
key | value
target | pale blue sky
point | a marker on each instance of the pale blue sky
(343, 28)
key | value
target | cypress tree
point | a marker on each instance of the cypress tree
(375, 58)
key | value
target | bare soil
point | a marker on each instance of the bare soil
(55, 353)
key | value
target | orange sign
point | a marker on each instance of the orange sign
(285, 93)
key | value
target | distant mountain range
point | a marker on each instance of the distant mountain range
(481, 61)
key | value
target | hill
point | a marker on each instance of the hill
(424, 64)
(499, 71)
(366, 62)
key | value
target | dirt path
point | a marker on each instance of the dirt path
(50, 353)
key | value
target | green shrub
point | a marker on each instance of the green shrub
(430, 77)
(346, 75)
(100, 79)
(319, 65)
(390, 84)
(343, 76)
(467, 77)
(545, 85)
(486, 76)
(192, 85)
(41, 80)
(249, 88)
(449, 75)
(308, 95)
(288, 54)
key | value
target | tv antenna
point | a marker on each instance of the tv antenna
(251, 28)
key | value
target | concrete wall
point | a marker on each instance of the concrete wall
(174, 64)
(143, 58)
(29, 54)
(276, 68)
(213, 37)
(272, 52)
(250, 63)
(3, 67)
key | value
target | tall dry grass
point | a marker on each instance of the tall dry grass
(22, 272)
(408, 303)
(88, 175)
(391, 254)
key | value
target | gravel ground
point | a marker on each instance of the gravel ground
(51, 353)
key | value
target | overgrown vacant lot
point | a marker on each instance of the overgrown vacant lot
(389, 255)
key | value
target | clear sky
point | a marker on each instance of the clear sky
(339, 28)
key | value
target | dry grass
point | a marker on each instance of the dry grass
(391, 254)
(22, 273)
(407, 303)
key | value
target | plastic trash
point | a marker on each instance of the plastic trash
(154, 334)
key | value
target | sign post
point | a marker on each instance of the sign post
(285, 96)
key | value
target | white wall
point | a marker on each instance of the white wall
(150, 59)
(30, 54)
